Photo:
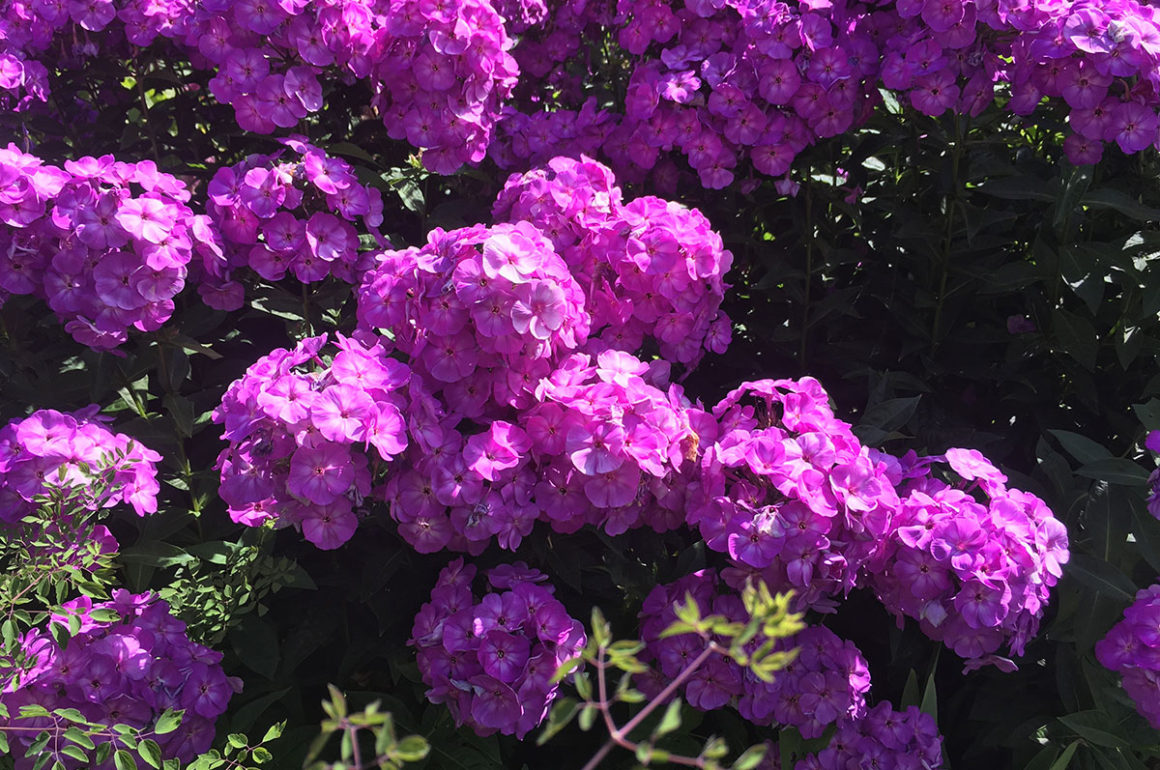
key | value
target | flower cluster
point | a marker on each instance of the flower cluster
(279, 215)
(105, 243)
(649, 268)
(825, 684)
(973, 561)
(1132, 649)
(492, 660)
(301, 432)
(788, 491)
(883, 738)
(485, 309)
(509, 412)
(74, 453)
(599, 445)
(128, 661)
(723, 83)
(439, 72)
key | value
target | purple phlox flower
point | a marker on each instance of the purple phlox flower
(331, 525)
(957, 542)
(321, 473)
(343, 413)
(501, 447)
(971, 465)
(595, 449)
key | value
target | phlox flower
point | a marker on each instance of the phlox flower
(320, 474)
(329, 526)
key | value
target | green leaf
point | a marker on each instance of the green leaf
(1019, 188)
(412, 748)
(71, 715)
(1102, 577)
(1107, 198)
(275, 731)
(750, 758)
(76, 752)
(566, 668)
(559, 717)
(123, 760)
(930, 698)
(261, 754)
(890, 414)
(237, 740)
(1082, 448)
(1115, 470)
(150, 752)
(79, 737)
(169, 721)
(350, 150)
(671, 719)
(587, 718)
(1148, 413)
(910, 690)
(1096, 727)
(1077, 337)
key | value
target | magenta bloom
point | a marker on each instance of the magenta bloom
(538, 309)
(343, 414)
(146, 218)
(329, 526)
(320, 474)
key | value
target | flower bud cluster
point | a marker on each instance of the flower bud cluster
(74, 453)
(106, 244)
(491, 659)
(304, 432)
(279, 215)
(128, 661)
(973, 561)
(789, 492)
(825, 684)
(649, 268)
(883, 738)
(1132, 649)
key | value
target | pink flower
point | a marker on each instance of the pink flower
(320, 474)
(329, 526)
(146, 218)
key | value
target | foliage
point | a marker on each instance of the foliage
(948, 219)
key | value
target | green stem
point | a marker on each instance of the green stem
(950, 203)
(809, 269)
